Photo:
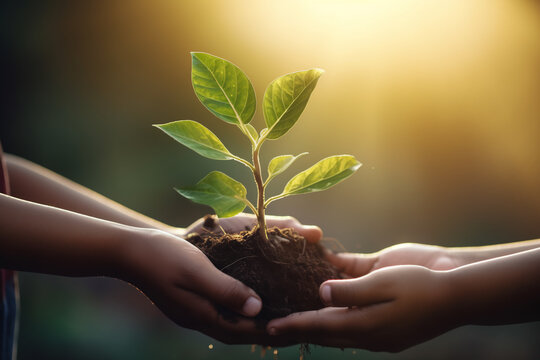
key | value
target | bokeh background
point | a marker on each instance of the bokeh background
(440, 100)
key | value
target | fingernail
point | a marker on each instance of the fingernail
(252, 306)
(273, 331)
(326, 294)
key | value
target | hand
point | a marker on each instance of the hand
(184, 284)
(429, 256)
(245, 221)
(390, 309)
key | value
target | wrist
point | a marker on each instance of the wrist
(501, 290)
(465, 299)
(137, 255)
(448, 300)
(125, 252)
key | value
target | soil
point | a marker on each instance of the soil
(285, 271)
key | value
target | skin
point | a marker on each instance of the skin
(76, 232)
(247, 221)
(32, 182)
(410, 293)
(52, 225)
(430, 256)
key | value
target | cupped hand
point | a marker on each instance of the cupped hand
(429, 256)
(389, 309)
(245, 221)
(189, 289)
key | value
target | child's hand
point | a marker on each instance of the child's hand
(396, 307)
(245, 221)
(185, 285)
(388, 310)
(429, 256)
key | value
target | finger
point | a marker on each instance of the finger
(222, 289)
(192, 311)
(352, 264)
(336, 327)
(238, 223)
(212, 223)
(309, 324)
(311, 233)
(305, 323)
(245, 221)
(246, 331)
(241, 330)
(185, 308)
(364, 328)
(358, 292)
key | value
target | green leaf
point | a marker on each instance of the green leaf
(280, 163)
(198, 138)
(324, 174)
(253, 132)
(285, 99)
(224, 194)
(223, 88)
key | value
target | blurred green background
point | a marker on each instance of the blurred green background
(440, 100)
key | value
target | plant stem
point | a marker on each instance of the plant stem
(260, 192)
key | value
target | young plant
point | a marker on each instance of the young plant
(227, 92)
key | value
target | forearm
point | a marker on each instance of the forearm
(468, 255)
(498, 291)
(45, 239)
(34, 183)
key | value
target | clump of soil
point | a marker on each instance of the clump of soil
(285, 271)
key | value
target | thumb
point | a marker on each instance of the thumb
(352, 264)
(311, 233)
(225, 290)
(359, 292)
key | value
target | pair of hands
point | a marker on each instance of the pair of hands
(394, 299)
(188, 288)
(390, 302)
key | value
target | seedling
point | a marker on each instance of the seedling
(227, 92)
